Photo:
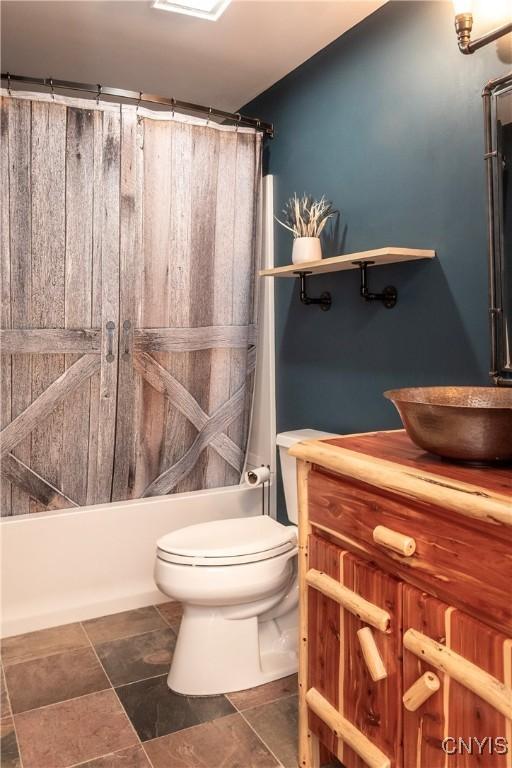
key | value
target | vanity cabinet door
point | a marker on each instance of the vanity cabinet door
(453, 710)
(354, 664)
(324, 637)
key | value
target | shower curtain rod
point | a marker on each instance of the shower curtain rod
(139, 96)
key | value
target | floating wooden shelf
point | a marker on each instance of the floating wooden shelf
(360, 261)
(390, 255)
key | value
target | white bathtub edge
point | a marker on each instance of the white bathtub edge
(74, 565)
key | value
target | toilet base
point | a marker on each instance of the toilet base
(216, 653)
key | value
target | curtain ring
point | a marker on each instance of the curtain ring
(173, 104)
(258, 123)
(98, 95)
(209, 115)
(9, 84)
(51, 89)
(138, 103)
(239, 118)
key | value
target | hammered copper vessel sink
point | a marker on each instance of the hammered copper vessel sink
(459, 423)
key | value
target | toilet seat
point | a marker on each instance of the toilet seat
(228, 542)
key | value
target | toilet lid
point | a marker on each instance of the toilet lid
(240, 540)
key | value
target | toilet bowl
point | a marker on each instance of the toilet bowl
(239, 622)
(237, 581)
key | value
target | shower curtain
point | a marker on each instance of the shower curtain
(129, 247)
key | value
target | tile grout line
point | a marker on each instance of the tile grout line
(206, 722)
(191, 727)
(279, 763)
(12, 714)
(139, 740)
(283, 698)
(46, 655)
(263, 704)
(142, 680)
(136, 634)
(139, 634)
(146, 754)
(87, 638)
(63, 701)
(99, 757)
(167, 620)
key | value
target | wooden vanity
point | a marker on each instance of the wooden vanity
(406, 606)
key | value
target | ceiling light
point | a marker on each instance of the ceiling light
(203, 9)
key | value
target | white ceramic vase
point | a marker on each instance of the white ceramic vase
(306, 249)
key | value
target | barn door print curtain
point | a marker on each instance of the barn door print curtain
(129, 248)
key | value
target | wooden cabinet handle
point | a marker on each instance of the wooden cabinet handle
(477, 680)
(364, 610)
(398, 542)
(344, 730)
(424, 687)
(371, 654)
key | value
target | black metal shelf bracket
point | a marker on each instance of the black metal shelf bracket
(388, 296)
(324, 301)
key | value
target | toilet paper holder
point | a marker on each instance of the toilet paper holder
(260, 476)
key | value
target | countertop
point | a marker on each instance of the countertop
(391, 462)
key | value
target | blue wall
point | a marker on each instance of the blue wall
(387, 123)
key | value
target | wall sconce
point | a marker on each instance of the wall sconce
(464, 25)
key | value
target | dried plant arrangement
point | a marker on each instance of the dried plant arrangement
(306, 217)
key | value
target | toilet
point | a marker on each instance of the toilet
(237, 581)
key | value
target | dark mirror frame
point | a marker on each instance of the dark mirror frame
(498, 157)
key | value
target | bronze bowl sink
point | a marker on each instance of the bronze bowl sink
(460, 423)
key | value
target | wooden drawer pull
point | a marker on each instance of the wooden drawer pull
(371, 654)
(367, 612)
(460, 669)
(344, 730)
(424, 687)
(398, 542)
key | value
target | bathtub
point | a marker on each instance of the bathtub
(76, 564)
(59, 567)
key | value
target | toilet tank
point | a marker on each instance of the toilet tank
(284, 441)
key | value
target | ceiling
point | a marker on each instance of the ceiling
(131, 45)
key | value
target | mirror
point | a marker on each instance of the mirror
(498, 109)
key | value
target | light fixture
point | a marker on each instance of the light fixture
(464, 24)
(203, 9)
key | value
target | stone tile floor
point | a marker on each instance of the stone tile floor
(94, 694)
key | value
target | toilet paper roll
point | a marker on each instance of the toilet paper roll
(257, 476)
